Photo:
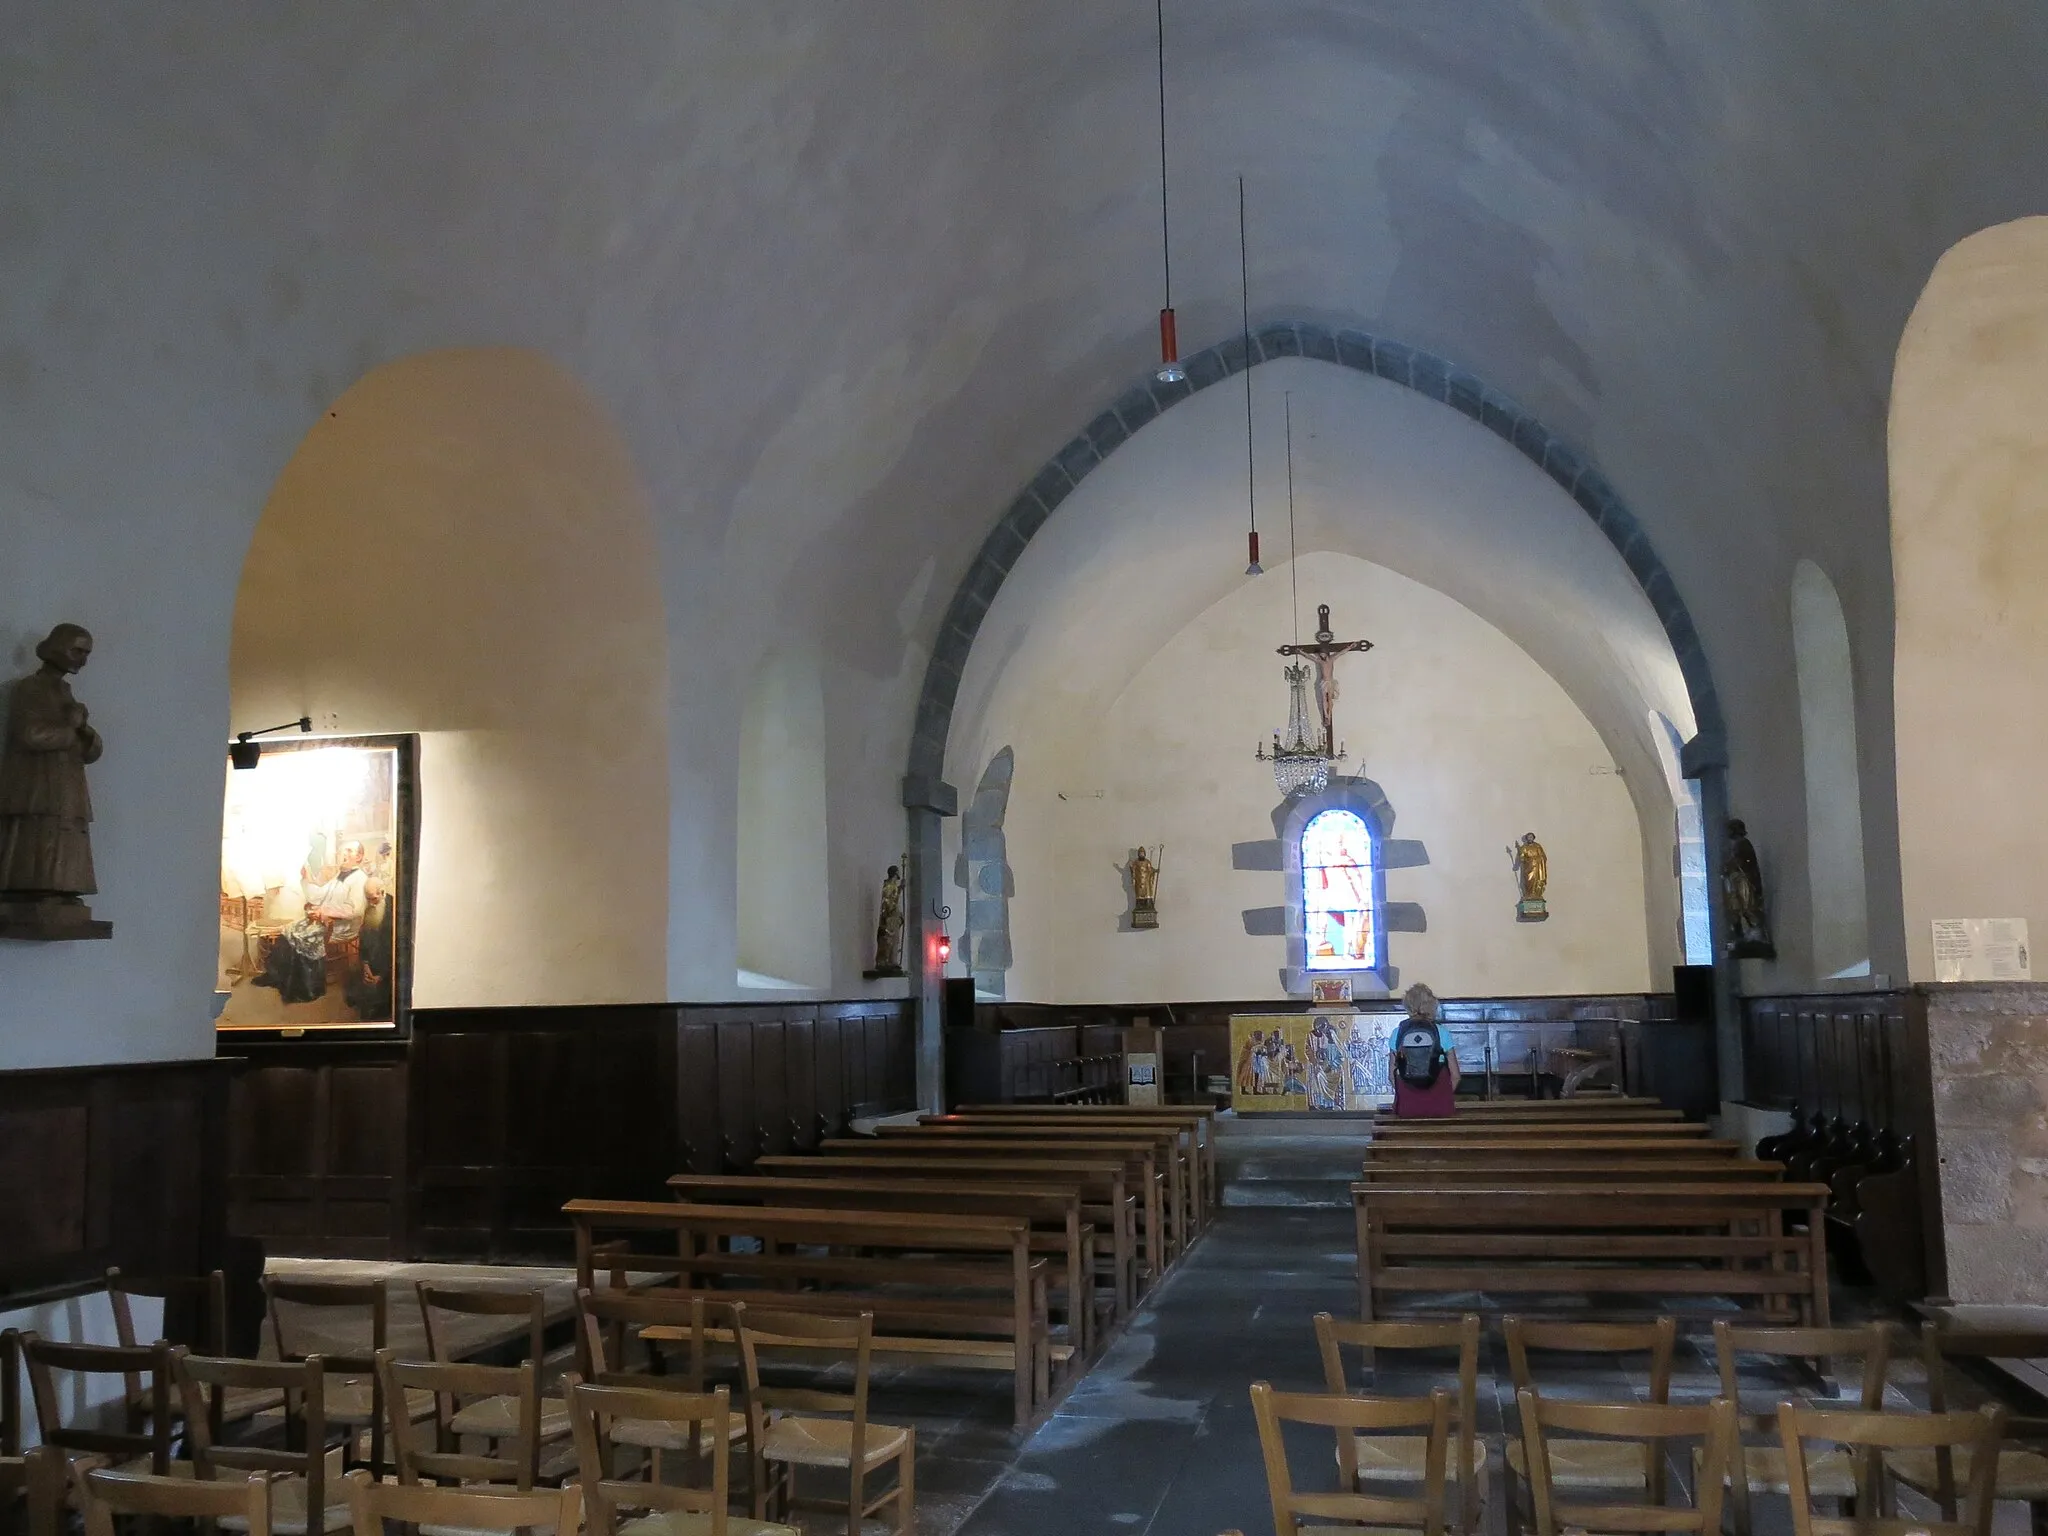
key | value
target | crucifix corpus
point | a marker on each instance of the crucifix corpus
(1324, 654)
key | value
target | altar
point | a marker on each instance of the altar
(1329, 1061)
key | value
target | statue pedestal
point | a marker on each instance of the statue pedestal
(884, 973)
(49, 917)
(1532, 911)
(1144, 914)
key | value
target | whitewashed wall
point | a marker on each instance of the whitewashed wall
(1471, 741)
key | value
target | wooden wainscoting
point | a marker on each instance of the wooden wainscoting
(1858, 1056)
(316, 1161)
(463, 1143)
(110, 1165)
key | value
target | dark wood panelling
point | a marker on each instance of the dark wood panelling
(1859, 1057)
(465, 1143)
(316, 1155)
(111, 1165)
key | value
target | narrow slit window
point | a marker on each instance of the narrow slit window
(1338, 868)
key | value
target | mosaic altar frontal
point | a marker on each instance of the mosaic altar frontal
(1330, 1060)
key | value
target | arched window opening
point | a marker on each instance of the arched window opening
(785, 917)
(1834, 791)
(1340, 918)
(1689, 847)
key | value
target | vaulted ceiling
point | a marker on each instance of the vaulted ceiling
(844, 275)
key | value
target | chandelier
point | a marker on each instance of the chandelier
(1300, 762)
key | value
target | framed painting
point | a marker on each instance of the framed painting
(318, 860)
(1303, 1062)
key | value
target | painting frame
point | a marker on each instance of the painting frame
(402, 876)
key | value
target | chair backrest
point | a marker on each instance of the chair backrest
(1941, 1342)
(467, 1509)
(149, 1424)
(761, 1329)
(706, 1418)
(10, 1392)
(1655, 1339)
(195, 1315)
(366, 1296)
(529, 1303)
(1348, 1417)
(1647, 1425)
(607, 1320)
(1871, 1345)
(456, 1387)
(108, 1493)
(1945, 1433)
(205, 1380)
(1461, 1334)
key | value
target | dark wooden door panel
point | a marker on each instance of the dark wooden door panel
(800, 1067)
(771, 1088)
(698, 1129)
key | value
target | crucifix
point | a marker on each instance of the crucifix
(1324, 654)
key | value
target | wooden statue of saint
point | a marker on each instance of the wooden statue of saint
(1742, 896)
(889, 927)
(45, 811)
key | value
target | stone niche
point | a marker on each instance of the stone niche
(1988, 1050)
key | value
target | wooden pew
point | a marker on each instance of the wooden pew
(1141, 1171)
(1054, 1211)
(1653, 1237)
(1171, 1150)
(1201, 1117)
(1103, 1185)
(915, 1249)
(1585, 1103)
(1491, 1149)
(1547, 1170)
(1198, 1139)
(1638, 1129)
(1480, 1112)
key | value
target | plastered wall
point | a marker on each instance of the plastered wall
(461, 548)
(1471, 741)
(1969, 463)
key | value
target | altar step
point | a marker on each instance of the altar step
(1290, 1159)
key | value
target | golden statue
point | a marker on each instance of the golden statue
(1532, 875)
(1144, 872)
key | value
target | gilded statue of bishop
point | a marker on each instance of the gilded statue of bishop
(45, 811)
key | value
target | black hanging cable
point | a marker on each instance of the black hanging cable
(1293, 558)
(1165, 233)
(1244, 289)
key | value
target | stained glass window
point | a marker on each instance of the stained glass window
(1337, 867)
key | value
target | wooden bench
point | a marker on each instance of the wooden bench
(914, 1249)
(1194, 1143)
(1593, 1151)
(1642, 1130)
(1054, 1212)
(1171, 1154)
(1650, 1237)
(1397, 1169)
(1141, 1171)
(1101, 1184)
(1201, 1119)
(1482, 1113)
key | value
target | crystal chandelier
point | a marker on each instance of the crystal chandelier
(1300, 762)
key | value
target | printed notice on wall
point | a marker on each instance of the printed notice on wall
(1981, 949)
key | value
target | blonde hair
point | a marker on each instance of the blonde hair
(1420, 1001)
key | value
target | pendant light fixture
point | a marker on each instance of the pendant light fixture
(1170, 370)
(1244, 291)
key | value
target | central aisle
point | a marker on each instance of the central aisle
(1159, 1438)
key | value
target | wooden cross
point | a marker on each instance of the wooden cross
(1324, 654)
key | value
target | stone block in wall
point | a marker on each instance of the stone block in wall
(1988, 1053)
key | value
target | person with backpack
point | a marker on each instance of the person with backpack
(1424, 1071)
